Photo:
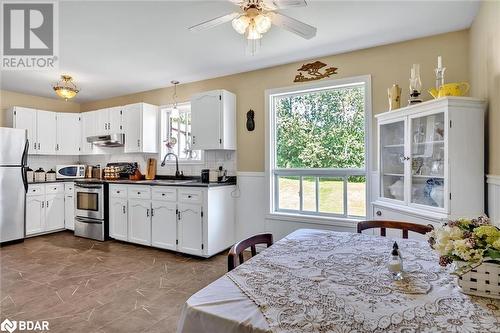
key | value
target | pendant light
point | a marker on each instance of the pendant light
(174, 96)
(65, 88)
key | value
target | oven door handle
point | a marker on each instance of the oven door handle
(89, 186)
(86, 220)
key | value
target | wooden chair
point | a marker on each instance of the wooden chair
(236, 252)
(405, 226)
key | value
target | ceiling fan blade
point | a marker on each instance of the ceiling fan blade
(299, 28)
(214, 22)
(283, 4)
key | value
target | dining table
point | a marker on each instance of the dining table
(326, 281)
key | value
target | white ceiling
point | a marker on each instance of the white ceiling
(115, 48)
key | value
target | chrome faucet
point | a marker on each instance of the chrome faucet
(177, 173)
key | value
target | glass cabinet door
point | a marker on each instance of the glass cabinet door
(428, 160)
(392, 160)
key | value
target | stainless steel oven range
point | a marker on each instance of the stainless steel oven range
(91, 211)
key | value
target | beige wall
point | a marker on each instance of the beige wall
(485, 73)
(387, 65)
(9, 99)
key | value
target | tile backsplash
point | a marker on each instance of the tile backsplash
(212, 160)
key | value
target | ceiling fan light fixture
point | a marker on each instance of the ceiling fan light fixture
(240, 24)
(65, 88)
(262, 23)
(252, 33)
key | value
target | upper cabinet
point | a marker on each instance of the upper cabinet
(140, 125)
(46, 128)
(89, 128)
(68, 133)
(109, 121)
(213, 115)
(25, 118)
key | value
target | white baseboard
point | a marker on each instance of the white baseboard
(493, 182)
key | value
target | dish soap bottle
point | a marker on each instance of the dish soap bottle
(395, 265)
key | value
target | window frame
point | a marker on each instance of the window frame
(164, 110)
(272, 173)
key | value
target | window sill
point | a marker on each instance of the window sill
(346, 222)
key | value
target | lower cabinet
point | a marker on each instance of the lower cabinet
(69, 206)
(139, 221)
(35, 214)
(164, 224)
(45, 208)
(118, 223)
(190, 229)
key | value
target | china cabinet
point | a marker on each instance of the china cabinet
(431, 161)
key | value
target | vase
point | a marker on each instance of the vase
(483, 280)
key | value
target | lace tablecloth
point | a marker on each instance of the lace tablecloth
(321, 281)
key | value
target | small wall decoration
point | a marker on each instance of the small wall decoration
(250, 120)
(313, 73)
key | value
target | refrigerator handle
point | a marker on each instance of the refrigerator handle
(24, 158)
(25, 181)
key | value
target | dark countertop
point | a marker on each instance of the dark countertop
(196, 182)
(54, 181)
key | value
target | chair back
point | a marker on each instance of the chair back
(235, 255)
(404, 226)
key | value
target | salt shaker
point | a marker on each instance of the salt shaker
(395, 265)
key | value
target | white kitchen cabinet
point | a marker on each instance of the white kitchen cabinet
(102, 121)
(88, 128)
(69, 206)
(46, 129)
(54, 212)
(118, 225)
(25, 118)
(35, 214)
(139, 221)
(68, 134)
(109, 120)
(190, 229)
(425, 160)
(140, 122)
(164, 224)
(213, 120)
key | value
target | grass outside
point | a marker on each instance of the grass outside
(331, 195)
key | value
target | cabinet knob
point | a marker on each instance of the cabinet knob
(138, 193)
(163, 194)
(189, 196)
(378, 213)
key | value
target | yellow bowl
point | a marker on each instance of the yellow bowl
(451, 89)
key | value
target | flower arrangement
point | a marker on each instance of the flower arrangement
(467, 242)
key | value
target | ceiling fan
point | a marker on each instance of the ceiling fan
(256, 17)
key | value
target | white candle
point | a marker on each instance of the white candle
(440, 62)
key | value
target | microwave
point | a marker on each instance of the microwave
(70, 171)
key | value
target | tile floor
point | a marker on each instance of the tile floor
(80, 285)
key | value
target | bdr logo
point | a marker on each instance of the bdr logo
(24, 325)
(30, 38)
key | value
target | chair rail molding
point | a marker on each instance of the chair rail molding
(493, 182)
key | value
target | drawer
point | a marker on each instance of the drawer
(190, 195)
(69, 188)
(35, 190)
(54, 188)
(117, 191)
(164, 193)
(139, 192)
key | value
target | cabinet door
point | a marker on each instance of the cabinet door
(118, 228)
(102, 120)
(46, 132)
(89, 128)
(206, 120)
(115, 120)
(25, 118)
(393, 160)
(54, 212)
(164, 225)
(132, 124)
(68, 134)
(429, 160)
(69, 211)
(139, 221)
(35, 214)
(190, 229)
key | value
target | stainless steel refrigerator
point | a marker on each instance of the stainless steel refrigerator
(13, 183)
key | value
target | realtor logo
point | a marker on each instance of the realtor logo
(8, 325)
(30, 35)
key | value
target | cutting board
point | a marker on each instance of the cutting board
(151, 169)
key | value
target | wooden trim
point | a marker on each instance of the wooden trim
(404, 226)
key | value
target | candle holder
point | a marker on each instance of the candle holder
(415, 85)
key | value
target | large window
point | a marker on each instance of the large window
(318, 152)
(176, 133)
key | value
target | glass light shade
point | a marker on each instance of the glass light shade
(240, 24)
(65, 93)
(262, 23)
(253, 33)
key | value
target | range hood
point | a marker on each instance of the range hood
(108, 140)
